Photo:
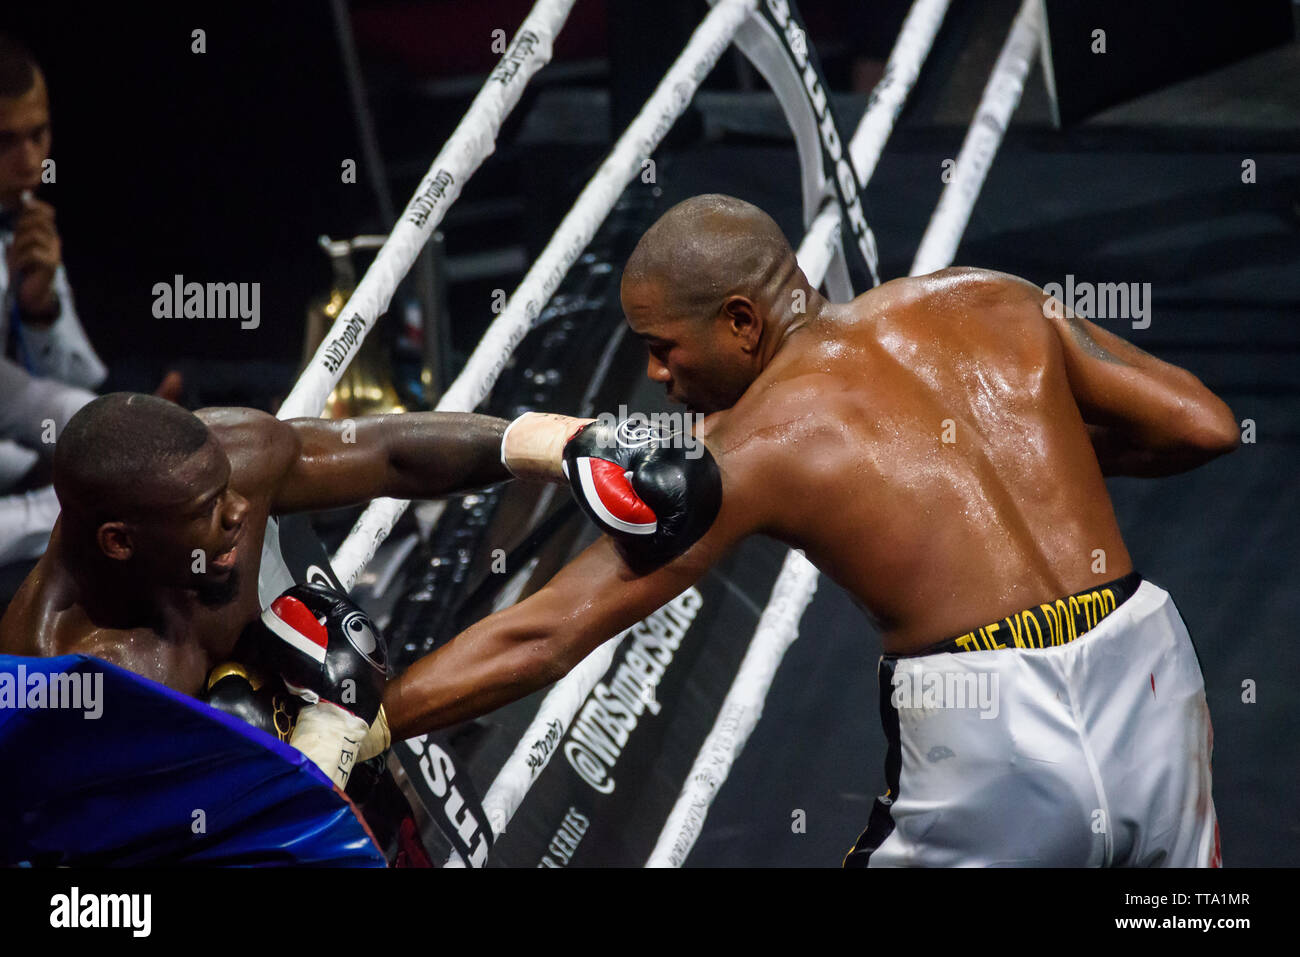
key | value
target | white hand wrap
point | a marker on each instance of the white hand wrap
(331, 737)
(533, 445)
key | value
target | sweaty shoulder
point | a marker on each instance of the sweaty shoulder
(261, 448)
(781, 433)
(960, 312)
(959, 288)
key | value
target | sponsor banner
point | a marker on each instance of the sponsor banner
(615, 772)
(435, 780)
(776, 42)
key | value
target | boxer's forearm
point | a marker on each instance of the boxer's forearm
(432, 454)
(414, 455)
(490, 664)
(439, 453)
(1119, 454)
(527, 646)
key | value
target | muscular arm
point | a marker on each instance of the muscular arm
(314, 464)
(1146, 417)
(512, 653)
(414, 455)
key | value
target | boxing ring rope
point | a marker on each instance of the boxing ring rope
(1001, 94)
(472, 142)
(779, 624)
(670, 98)
(469, 146)
(795, 586)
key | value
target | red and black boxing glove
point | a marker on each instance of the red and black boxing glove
(653, 492)
(329, 654)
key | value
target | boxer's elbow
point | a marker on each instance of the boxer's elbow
(1220, 441)
(1210, 429)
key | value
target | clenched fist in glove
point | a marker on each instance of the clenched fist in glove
(329, 654)
(646, 488)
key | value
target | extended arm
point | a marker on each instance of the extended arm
(512, 653)
(598, 595)
(310, 464)
(415, 455)
(1146, 417)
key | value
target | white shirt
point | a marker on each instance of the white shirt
(60, 351)
(46, 384)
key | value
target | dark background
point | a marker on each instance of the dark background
(225, 167)
(222, 166)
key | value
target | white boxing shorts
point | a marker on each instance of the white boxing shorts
(1073, 734)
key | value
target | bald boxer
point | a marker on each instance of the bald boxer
(938, 448)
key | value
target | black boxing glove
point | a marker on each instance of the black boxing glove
(328, 653)
(245, 693)
(640, 485)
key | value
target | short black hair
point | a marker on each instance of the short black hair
(17, 67)
(114, 444)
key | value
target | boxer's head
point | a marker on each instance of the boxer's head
(24, 122)
(710, 290)
(144, 485)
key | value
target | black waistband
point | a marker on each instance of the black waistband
(1052, 623)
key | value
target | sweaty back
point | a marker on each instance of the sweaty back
(944, 474)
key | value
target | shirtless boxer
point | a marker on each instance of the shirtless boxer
(153, 563)
(937, 447)
(146, 488)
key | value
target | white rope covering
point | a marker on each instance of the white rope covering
(475, 381)
(794, 588)
(541, 739)
(778, 627)
(798, 580)
(669, 99)
(472, 142)
(796, 585)
(1001, 95)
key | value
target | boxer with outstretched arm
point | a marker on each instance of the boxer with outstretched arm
(153, 563)
(937, 447)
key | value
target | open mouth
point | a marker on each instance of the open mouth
(226, 560)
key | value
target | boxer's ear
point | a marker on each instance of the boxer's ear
(743, 321)
(115, 541)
